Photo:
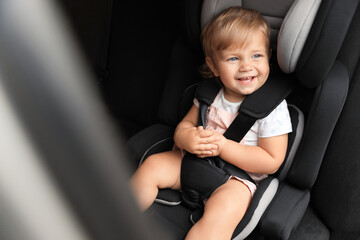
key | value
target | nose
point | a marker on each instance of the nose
(245, 66)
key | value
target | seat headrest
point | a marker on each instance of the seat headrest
(290, 22)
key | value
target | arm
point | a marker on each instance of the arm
(267, 157)
(194, 139)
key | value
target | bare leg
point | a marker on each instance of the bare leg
(160, 170)
(223, 212)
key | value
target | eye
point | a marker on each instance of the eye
(233, 59)
(257, 56)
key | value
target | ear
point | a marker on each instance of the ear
(211, 65)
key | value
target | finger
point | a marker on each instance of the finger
(209, 140)
(207, 147)
(203, 154)
(206, 133)
(204, 149)
(200, 128)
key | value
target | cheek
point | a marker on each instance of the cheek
(226, 75)
(265, 71)
(266, 75)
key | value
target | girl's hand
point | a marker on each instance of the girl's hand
(220, 141)
(200, 141)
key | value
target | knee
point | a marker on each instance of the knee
(162, 169)
(153, 166)
(233, 201)
(153, 161)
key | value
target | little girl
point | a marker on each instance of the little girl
(236, 47)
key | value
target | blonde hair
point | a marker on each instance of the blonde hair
(231, 27)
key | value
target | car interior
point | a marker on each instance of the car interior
(90, 89)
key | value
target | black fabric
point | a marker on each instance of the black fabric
(326, 37)
(285, 212)
(202, 120)
(146, 30)
(182, 72)
(337, 196)
(174, 219)
(263, 101)
(205, 93)
(326, 108)
(187, 100)
(349, 53)
(185, 59)
(239, 127)
(201, 176)
(345, 235)
(311, 227)
(169, 197)
(153, 139)
(192, 9)
(207, 90)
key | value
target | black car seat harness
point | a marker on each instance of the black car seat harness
(201, 176)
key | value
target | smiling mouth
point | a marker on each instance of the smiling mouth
(246, 80)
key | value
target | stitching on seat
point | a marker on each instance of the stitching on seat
(146, 152)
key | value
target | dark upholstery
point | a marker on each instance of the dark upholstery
(334, 212)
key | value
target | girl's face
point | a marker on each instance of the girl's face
(242, 69)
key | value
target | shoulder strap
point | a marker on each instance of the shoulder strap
(205, 93)
(255, 106)
(260, 104)
(207, 90)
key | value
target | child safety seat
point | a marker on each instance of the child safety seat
(281, 199)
